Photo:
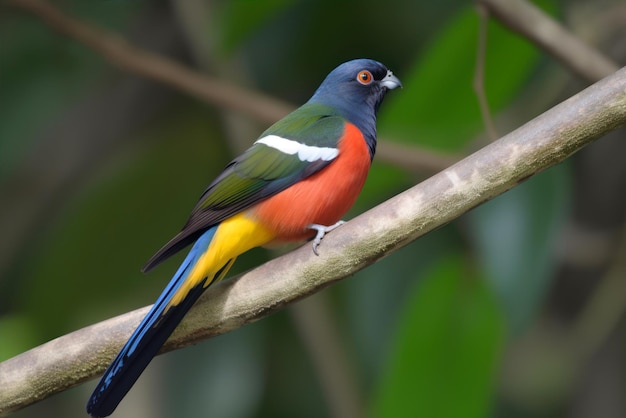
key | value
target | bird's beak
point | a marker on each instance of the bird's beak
(391, 81)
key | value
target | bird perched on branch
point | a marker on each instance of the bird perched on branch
(294, 183)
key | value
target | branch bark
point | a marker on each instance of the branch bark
(541, 143)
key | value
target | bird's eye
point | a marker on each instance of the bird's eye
(364, 77)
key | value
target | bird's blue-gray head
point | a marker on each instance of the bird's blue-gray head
(355, 89)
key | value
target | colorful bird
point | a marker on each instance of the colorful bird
(294, 183)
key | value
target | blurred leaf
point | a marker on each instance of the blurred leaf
(241, 18)
(372, 303)
(438, 106)
(446, 348)
(17, 334)
(515, 236)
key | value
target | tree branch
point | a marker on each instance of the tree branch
(541, 143)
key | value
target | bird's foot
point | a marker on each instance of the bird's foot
(321, 231)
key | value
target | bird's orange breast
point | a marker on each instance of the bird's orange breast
(322, 198)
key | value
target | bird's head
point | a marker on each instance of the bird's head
(356, 84)
(355, 90)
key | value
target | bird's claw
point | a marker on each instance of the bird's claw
(321, 231)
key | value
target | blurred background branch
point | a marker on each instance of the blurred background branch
(219, 92)
(479, 73)
(129, 58)
(533, 24)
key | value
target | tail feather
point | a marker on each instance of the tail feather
(151, 334)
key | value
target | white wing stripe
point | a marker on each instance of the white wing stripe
(305, 152)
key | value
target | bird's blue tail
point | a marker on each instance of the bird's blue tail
(151, 334)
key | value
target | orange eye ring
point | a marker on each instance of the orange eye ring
(364, 77)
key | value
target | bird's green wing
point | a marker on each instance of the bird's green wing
(297, 146)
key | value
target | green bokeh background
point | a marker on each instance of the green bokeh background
(99, 168)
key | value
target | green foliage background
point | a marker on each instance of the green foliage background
(98, 169)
